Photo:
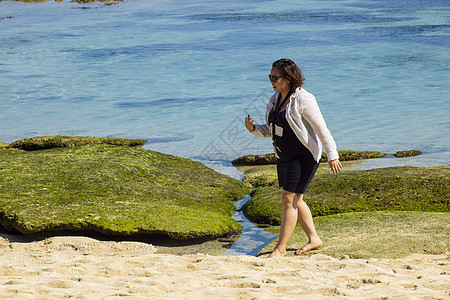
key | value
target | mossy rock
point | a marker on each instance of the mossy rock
(344, 155)
(348, 155)
(379, 234)
(115, 190)
(387, 189)
(106, 2)
(407, 153)
(261, 212)
(3, 145)
(49, 142)
(267, 159)
(255, 160)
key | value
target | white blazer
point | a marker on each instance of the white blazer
(306, 120)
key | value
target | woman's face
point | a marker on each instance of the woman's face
(279, 84)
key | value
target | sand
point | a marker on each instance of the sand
(85, 268)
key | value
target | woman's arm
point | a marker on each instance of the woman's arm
(259, 130)
(311, 113)
(249, 123)
(335, 166)
(313, 116)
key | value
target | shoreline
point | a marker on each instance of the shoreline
(58, 266)
(217, 246)
(79, 267)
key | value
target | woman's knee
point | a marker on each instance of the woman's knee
(299, 202)
(289, 199)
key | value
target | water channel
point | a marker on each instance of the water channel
(252, 239)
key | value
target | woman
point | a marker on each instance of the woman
(295, 123)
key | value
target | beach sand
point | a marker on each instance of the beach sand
(86, 268)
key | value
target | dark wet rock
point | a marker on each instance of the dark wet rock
(59, 141)
(344, 155)
(407, 153)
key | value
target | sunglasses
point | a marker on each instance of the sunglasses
(274, 78)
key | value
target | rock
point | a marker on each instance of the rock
(344, 155)
(255, 160)
(104, 185)
(407, 153)
(58, 141)
(387, 189)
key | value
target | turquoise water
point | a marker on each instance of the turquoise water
(184, 74)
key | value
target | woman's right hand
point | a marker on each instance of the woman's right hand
(249, 123)
(335, 166)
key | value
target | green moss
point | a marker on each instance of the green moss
(344, 155)
(398, 188)
(3, 145)
(115, 190)
(265, 206)
(48, 142)
(347, 155)
(375, 235)
(407, 153)
(255, 160)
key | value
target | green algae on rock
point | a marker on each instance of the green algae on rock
(407, 153)
(58, 141)
(114, 190)
(347, 155)
(379, 234)
(387, 189)
(255, 160)
(268, 159)
(344, 155)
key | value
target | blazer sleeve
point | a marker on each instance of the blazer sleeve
(264, 129)
(311, 113)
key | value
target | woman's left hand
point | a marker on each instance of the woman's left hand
(335, 166)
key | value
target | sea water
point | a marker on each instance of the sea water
(184, 74)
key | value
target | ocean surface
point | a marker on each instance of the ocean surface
(183, 74)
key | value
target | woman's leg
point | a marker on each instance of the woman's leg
(288, 221)
(306, 221)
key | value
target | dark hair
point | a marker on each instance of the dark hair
(290, 71)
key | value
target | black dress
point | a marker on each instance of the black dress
(296, 165)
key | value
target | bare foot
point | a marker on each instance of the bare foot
(313, 244)
(277, 252)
